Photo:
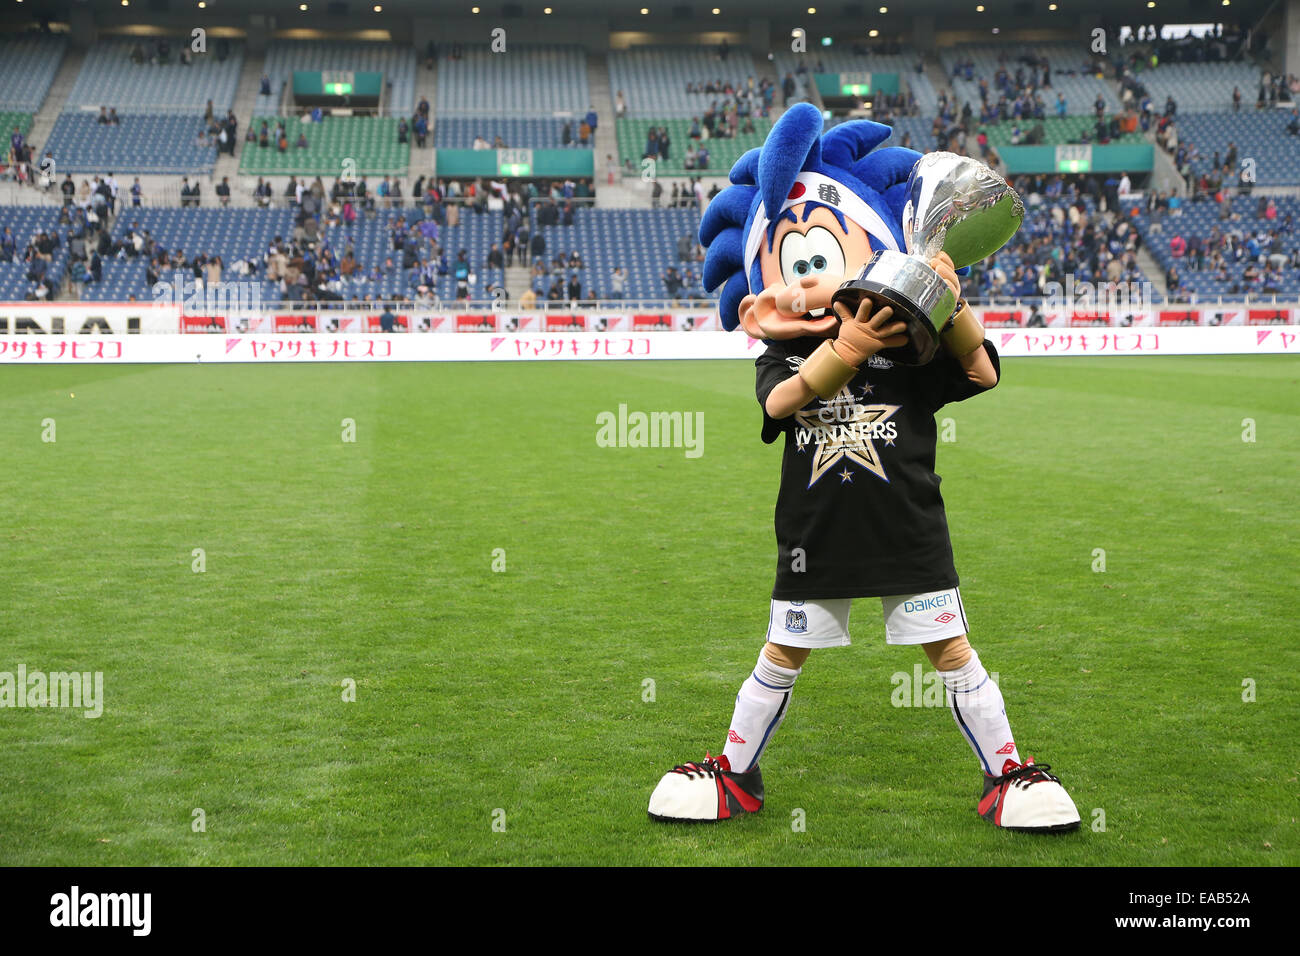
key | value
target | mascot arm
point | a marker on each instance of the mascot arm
(834, 363)
(963, 338)
(788, 397)
(979, 367)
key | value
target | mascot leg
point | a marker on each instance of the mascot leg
(761, 704)
(731, 784)
(1016, 796)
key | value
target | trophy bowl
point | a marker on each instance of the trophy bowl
(956, 205)
(920, 298)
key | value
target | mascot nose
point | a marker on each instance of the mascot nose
(807, 282)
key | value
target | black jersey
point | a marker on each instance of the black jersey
(859, 512)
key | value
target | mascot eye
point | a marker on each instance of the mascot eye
(794, 257)
(824, 252)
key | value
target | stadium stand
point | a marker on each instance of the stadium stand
(232, 234)
(371, 241)
(1056, 130)
(459, 132)
(653, 82)
(526, 99)
(847, 61)
(1214, 246)
(109, 77)
(1200, 87)
(653, 78)
(918, 132)
(246, 234)
(369, 140)
(1259, 135)
(641, 241)
(25, 223)
(123, 281)
(27, 69)
(530, 81)
(9, 121)
(722, 153)
(1064, 232)
(396, 63)
(141, 144)
(917, 129)
(1072, 74)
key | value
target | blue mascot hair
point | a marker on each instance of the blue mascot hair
(847, 154)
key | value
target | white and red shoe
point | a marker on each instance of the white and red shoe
(706, 792)
(1027, 797)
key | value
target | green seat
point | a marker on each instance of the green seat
(1056, 131)
(369, 142)
(723, 153)
(8, 120)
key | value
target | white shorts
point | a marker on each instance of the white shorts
(909, 619)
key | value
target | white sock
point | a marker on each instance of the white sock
(760, 708)
(977, 706)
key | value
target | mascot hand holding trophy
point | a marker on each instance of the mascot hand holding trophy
(846, 259)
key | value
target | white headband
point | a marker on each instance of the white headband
(822, 189)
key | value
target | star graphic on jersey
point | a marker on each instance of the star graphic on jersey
(841, 429)
(846, 475)
(866, 389)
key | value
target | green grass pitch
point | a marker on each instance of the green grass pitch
(516, 697)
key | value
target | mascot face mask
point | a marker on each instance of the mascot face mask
(804, 213)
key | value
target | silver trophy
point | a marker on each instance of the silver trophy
(956, 205)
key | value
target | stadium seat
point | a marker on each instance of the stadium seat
(525, 82)
(28, 66)
(1072, 74)
(653, 78)
(141, 144)
(371, 244)
(1200, 87)
(9, 120)
(641, 241)
(109, 78)
(1260, 136)
(368, 140)
(1201, 219)
(723, 153)
(25, 222)
(1056, 131)
(459, 132)
(229, 233)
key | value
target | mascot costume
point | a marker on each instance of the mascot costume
(859, 512)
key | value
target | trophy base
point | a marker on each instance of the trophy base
(921, 300)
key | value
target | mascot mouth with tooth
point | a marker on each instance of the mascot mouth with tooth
(859, 512)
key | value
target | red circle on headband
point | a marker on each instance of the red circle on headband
(796, 191)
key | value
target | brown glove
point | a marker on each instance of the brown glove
(863, 335)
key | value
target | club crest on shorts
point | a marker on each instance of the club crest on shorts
(796, 622)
